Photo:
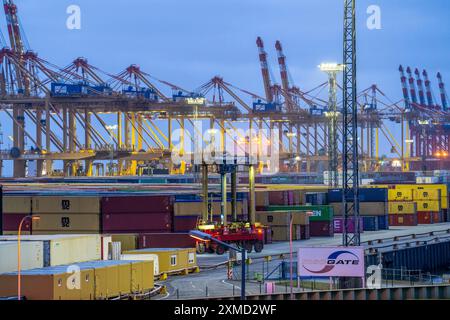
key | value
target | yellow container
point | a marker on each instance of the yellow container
(127, 241)
(427, 194)
(400, 194)
(171, 260)
(66, 204)
(142, 278)
(428, 187)
(17, 205)
(67, 223)
(282, 218)
(402, 207)
(428, 206)
(88, 284)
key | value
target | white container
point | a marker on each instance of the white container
(32, 255)
(65, 249)
(143, 257)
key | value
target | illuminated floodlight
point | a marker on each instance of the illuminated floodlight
(331, 67)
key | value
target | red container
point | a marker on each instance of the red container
(136, 222)
(321, 229)
(437, 217)
(279, 198)
(425, 217)
(338, 225)
(165, 240)
(403, 220)
(11, 222)
(137, 204)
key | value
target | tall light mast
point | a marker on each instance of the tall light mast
(332, 69)
(350, 194)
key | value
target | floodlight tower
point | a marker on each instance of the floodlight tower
(332, 69)
(350, 152)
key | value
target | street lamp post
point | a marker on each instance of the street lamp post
(32, 218)
(201, 236)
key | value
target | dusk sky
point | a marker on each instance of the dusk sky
(187, 42)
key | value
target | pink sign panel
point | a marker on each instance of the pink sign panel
(331, 262)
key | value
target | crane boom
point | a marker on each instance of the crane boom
(420, 87)
(428, 88)
(404, 87)
(265, 70)
(443, 92)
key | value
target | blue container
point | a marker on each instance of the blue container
(383, 222)
(365, 195)
(370, 224)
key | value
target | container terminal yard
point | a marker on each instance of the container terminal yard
(124, 186)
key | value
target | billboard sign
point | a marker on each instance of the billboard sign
(331, 262)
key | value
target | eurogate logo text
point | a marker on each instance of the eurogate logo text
(334, 260)
(331, 261)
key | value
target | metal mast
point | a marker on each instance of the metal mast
(332, 69)
(350, 194)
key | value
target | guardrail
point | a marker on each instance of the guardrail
(436, 292)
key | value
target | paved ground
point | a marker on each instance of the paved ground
(213, 282)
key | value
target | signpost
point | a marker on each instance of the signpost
(331, 262)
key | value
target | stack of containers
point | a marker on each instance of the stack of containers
(137, 214)
(402, 209)
(429, 209)
(14, 210)
(154, 240)
(66, 215)
(280, 224)
(98, 280)
(424, 193)
(285, 197)
(372, 208)
(320, 218)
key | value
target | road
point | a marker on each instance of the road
(212, 280)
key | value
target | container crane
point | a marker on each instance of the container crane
(428, 89)
(442, 92)
(403, 79)
(412, 86)
(350, 194)
(420, 87)
(265, 70)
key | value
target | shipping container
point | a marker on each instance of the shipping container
(32, 255)
(20, 205)
(365, 195)
(425, 218)
(383, 222)
(365, 208)
(370, 223)
(59, 204)
(64, 249)
(144, 257)
(283, 218)
(187, 223)
(136, 222)
(282, 233)
(402, 208)
(128, 241)
(338, 225)
(429, 205)
(137, 204)
(403, 220)
(58, 223)
(427, 194)
(97, 280)
(316, 213)
(400, 195)
(11, 222)
(267, 235)
(196, 208)
(171, 260)
(262, 198)
(166, 240)
(321, 229)
(428, 187)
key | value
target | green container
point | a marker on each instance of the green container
(318, 213)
